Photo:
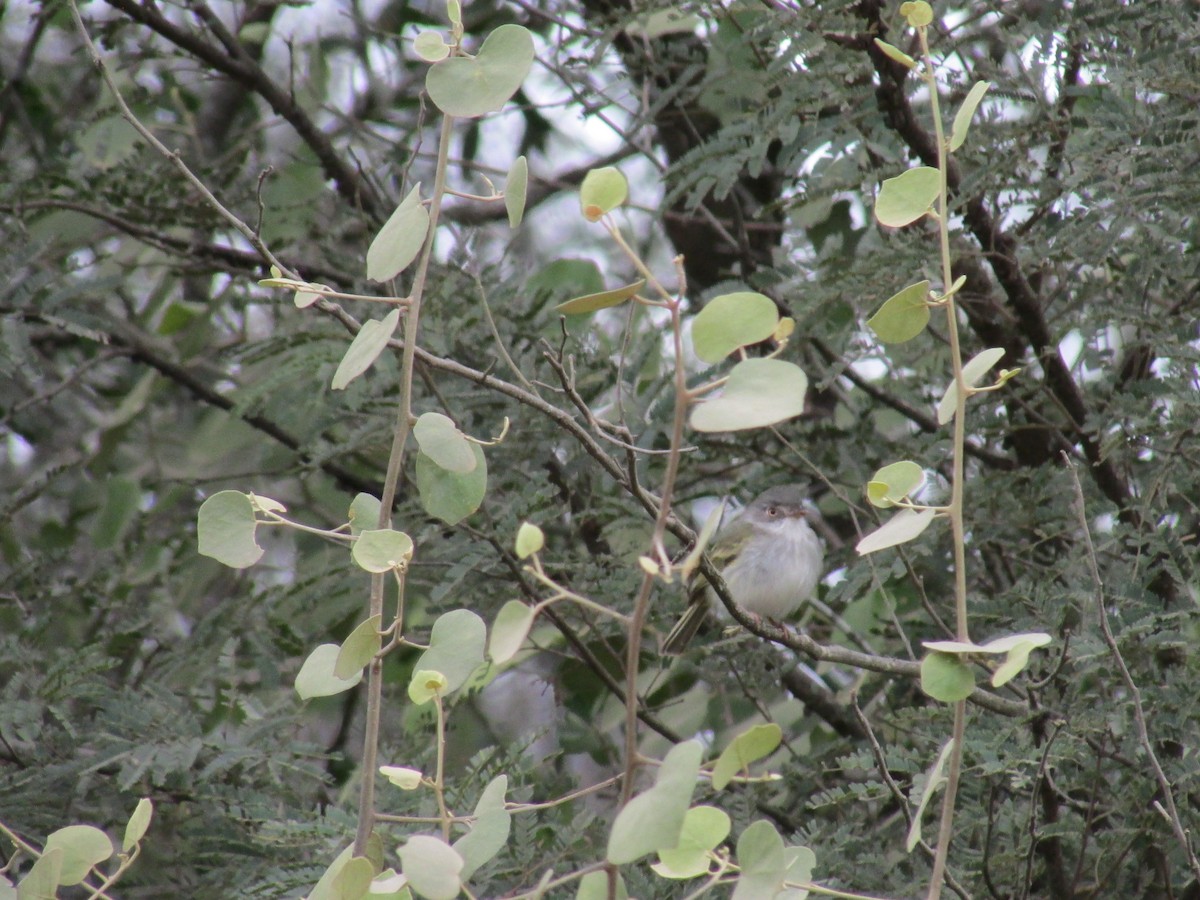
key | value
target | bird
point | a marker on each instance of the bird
(769, 557)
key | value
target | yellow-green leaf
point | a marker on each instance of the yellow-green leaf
(903, 316)
(907, 197)
(602, 300)
(731, 321)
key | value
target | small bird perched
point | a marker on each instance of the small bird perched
(770, 558)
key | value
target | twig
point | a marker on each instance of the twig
(1168, 808)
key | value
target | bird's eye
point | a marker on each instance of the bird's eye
(772, 511)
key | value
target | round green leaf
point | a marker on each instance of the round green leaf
(316, 678)
(370, 341)
(962, 118)
(359, 648)
(225, 528)
(432, 867)
(654, 819)
(509, 630)
(895, 482)
(425, 685)
(402, 777)
(138, 824)
(489, 834)
(901, 528)
(905, 198)
(516, 186)
(530, 540)
(602, 300)
(431, 46)
(456, 645)
(732, 321)
(468, 87)
(354, 879)
(759, 392)
(44, 876)
(594, 886)
(451, 496)
(975, 368)
(747, 747)
(382, 550)
(704, 827)
(903, 315)
(933, 779)
(400, 239)
(895, 53)
(918, 13)
(945, 677)
(364, 513)
(602, 191)
(440, 440)
(83, 846)
(764, 865)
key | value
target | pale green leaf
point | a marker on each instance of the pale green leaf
(451, 496)
(489, 834)
(402, 777)
(962, 118)
(918, 13)
(704, 827)
(328, 887)
(907, 197)
(364, 513)
(431, 46)
(426, 684)
(945, 677)
(432, 867)
(316, 678)
(370, 341)
(903, 316)
(934, 779)
(359, 648)
(44, 876)
(516, 187)
(760, 854)
(225, 527)
(731, 321)
(975, 369)
(469, 87)
(354, 879)
(594, 886)
(748, 747)
(83, 846)
(456, 644)
(138, 824)
(530, 540)
(692, 560)
(441, 441)
(759, 392)
(509, 630)
(381, 550)
(654, 819)
(904, 526)
(602, 191)
(895, 53)
(400, 239)
(895, 482)
(600, 300)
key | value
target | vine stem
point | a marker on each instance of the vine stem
(955, 509)
(641, 604)
(366, 796)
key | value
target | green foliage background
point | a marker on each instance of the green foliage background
(142, 369)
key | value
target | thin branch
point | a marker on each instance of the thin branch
(1171, 813)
